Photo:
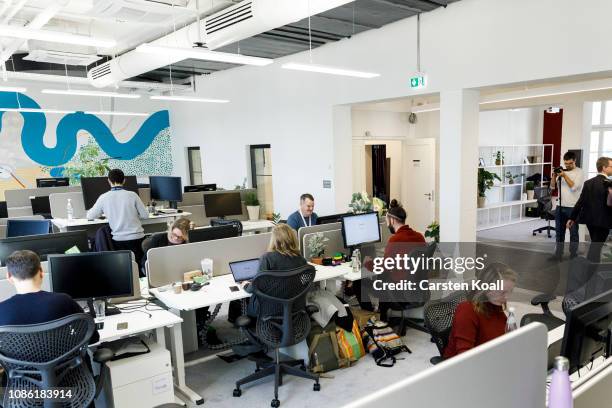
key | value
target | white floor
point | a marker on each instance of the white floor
(521, 232)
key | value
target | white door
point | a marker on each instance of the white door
(419, 182)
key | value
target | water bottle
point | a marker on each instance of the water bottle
(511, 321)
(69, 210)
(560, 391)
(356, 261)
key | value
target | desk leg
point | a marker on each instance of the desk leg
(178, 360)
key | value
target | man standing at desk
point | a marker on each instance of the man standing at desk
(123, 210)
(305, 216)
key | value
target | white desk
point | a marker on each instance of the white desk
(64, 224)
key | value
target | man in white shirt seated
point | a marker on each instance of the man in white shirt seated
(569, 181)
(123, 210)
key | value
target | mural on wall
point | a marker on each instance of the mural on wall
(147, 152)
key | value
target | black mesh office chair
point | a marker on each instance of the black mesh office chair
(282, 321)
(235, 223)
(542, 194)
(439, 316)
(48, 355)
(418, 299)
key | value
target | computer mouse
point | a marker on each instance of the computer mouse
(195, 286)
(102, 217)
(179, 211)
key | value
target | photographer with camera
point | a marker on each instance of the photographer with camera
(592, 208)
(569, 181)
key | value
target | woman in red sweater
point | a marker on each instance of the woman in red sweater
(482, 318)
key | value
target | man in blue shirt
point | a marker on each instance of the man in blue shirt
(305, 216)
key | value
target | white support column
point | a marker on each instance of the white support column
(459, 112)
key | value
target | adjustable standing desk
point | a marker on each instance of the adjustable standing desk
(65, 225)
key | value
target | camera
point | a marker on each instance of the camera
(558, 170)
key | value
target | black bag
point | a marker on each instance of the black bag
(382, 343)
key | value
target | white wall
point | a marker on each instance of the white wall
(379, 124)
(471, 43)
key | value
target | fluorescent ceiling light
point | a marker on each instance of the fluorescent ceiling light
(32, 110)
(117, 113)
(329, 70)
(186, 99)
(55, 36)
(78, 92)
(203, 54)
(12, 89)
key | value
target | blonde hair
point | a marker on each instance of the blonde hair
(284, 241)
(183, 224)
(493, 273)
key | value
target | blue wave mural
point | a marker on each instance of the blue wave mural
(35, 124)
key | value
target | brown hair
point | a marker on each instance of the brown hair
(306, 196)
(602, 162)
(493, 273)
(182, 224)
(23, 265)
(284, 241)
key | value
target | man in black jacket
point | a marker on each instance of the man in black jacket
(592, 208)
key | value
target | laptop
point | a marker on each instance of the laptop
(244, 270)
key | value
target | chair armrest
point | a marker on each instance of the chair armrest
(542, 299)
(243, 321)
(311, 309)
(102, 355)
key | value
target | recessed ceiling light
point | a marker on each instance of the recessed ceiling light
(78, 92)
(324, 69)
(203, 54)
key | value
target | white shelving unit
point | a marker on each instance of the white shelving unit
(506, 202)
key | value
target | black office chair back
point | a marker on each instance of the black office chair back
(417, 297)
(439, 314)
(282, 319)
(46, 355)
(545, 202)
(237, 224)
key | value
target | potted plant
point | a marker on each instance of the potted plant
(486, 179)
(529, 187)
(360, 203)
(499, 158)
(511, 177)
(433, 231)
(252, 205)
(86, 163)
(316, 247)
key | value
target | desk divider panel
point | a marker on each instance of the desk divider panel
(21, 198)
(20, 211)
(167, 264)
(336, 243)
(59, 201)
(314, 229)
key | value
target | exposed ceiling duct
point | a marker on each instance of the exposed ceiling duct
(237, 22)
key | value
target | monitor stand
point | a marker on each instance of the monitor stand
(173, 205)
(109, 309)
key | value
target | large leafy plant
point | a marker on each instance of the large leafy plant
(88, 162)
(317, 244)
(486, 179)
(360, 202)
(433, 231)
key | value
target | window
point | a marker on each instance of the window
(195, 165)
(601, 134)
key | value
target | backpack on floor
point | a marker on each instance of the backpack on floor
(350, 343)
(382, 343)
(323, 352)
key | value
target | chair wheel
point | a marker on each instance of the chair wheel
(275, 403)
(316, 387)
(237, 392)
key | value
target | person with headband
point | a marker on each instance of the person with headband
(305, 215)
(482, 318)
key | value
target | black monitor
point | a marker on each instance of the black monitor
(166, 188)
(330, 219)
(93, 275)
(52, 182)
(587, 331)
(20, 228)
(94, 187)
(210, 233)
(44, 245)
(200, 187)
(359, 229)
(222, 204)
(3, 210)
(41, 206)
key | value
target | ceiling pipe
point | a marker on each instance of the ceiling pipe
(14, 11)
(38, 22)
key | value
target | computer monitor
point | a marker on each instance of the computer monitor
(3, 210)
(222, 204)
(166, 188)
(44, 245)
(93, 275)
(200, 187)
(587, 331)
(244, 270)
(20, 228)
(41, 206)
(330, 219)
(210, 233)
(359, 229)
(94, 187)
(52, 182)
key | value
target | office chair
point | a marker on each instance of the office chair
(418, 299)
(438, 316)
(282, 321)
(20, 228)
(235, 223)
(542, 194)
(49, 355)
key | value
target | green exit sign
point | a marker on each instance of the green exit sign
(418, 80)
